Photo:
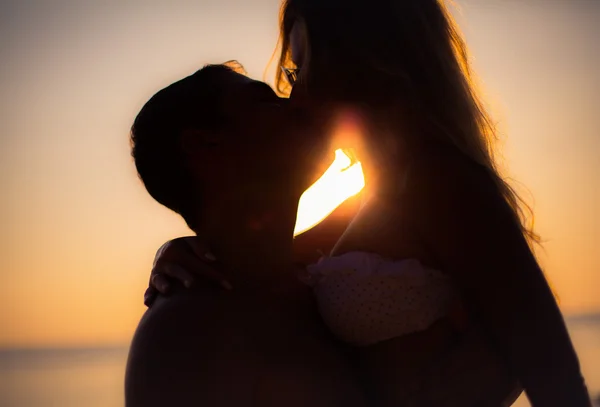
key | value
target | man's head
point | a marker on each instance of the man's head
(217, 135)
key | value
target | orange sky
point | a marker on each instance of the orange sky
(80, 232)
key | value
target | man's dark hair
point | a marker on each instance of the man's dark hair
(190, 103)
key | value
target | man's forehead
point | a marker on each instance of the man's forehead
(238, 85)
(233, 78)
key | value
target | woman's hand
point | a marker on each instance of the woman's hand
(183, 259)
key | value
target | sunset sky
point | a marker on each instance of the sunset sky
(79, 231)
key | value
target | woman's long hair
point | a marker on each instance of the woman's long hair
(407, 52)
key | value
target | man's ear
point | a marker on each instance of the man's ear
(194, 141)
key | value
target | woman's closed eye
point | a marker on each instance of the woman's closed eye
(291, 75)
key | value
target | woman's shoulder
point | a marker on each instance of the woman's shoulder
(444, 175)
(450, 196)
(440, 165)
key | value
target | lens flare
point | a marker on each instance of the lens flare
(342, 180)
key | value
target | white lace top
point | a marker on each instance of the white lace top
(365, 299)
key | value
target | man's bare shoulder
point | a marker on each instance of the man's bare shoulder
(194, 348)
(171, 354)
(174, 315)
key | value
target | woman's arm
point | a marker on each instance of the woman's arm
(472, 232)
(187, 259)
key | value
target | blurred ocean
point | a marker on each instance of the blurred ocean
(94, 377)
(62, 377)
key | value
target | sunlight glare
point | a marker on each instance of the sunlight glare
(339, 182)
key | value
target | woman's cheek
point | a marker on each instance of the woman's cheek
(298, 96)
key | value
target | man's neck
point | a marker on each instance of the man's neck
(254, 246)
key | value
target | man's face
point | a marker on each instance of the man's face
(253, 113)
(262, 142)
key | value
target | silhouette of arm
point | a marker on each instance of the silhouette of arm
(473, 234)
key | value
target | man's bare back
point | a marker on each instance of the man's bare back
(239, 348)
